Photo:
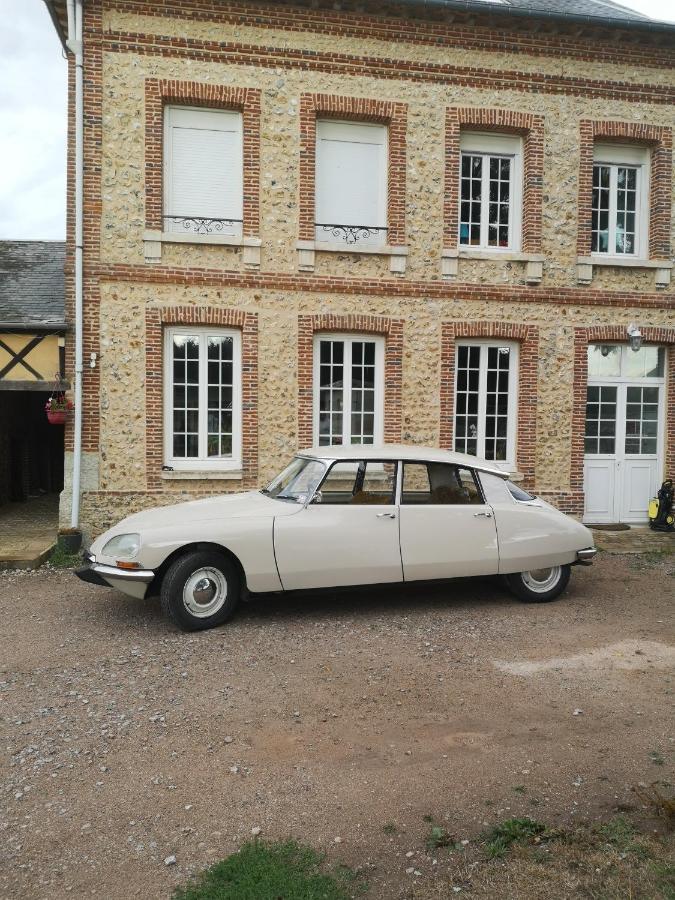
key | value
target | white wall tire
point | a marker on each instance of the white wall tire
(200, 590)
(539, 585)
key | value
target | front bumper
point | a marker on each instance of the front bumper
(129, 581)
(585, 557)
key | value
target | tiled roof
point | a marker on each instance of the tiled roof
(32, 282)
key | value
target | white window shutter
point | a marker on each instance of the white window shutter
(351, 175)
(203, 167)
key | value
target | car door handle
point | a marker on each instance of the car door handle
(386, 515)
(486, 515)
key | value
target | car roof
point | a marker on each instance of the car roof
(404, 452)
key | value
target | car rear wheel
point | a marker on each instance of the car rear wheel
(539, 585)
(200, 590)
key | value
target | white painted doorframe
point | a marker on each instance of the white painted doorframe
(617, 468)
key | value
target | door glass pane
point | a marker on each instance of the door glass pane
(497, 394)
(600, 433)
(604, 359)
(416, 488)
(219, 396)
(331, 388)
(185, 395)
(363, 392)
(339, 485)
(378, 483)
(439, 484)
(642, 405)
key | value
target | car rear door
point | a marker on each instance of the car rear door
(349, 536)
(447, 529)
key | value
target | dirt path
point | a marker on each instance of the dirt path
(125, 742)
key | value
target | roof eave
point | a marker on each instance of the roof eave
(51, 9)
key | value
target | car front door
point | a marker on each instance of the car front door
(348, 536)
(447, 529)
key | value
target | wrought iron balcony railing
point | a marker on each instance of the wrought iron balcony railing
(202, 224)
(350, 234)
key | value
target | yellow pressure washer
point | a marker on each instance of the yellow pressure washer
(661, 515)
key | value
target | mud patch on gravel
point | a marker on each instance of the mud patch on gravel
(628, 655)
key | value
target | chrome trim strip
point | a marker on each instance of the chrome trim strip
(143, 575)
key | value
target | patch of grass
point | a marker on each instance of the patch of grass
(501, 837)
(657, 758)
(519, 789)
(59, 559)
(586, 861)
(427, 818)
(263, 870)
(390, 828)
(439, 837)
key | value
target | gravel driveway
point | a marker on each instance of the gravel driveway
(322, 717)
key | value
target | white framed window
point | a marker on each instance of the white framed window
(203, 171)
(619, 210)
(348, 389)
(490, 191)
(486, 397)
(351, 183)
(202, 398)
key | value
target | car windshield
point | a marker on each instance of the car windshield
(298, 481)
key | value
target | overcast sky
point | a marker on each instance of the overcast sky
(33, 107)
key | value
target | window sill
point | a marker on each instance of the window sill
(201, 475)
(307, 251)
(586, 264)
(153, 241)
(534, 262)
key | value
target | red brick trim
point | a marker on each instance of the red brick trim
(391, 329)
(156, 317)
(383, 287)
(528, 338)
(617, 335)
(378, 67)
(358, 109)
(500, 34)
(162, 92)
(500, 121)
(660, 140)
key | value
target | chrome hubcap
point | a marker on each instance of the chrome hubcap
(541, 580)
(204, 592)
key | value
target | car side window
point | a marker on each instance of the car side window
(359, 483)
(439, 484)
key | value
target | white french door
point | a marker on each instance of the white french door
(623, 462)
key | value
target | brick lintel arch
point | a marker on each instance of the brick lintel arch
(156, 319)
(390, 329)
(528, 338)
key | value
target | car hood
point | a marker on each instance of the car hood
(223, 506)
(251, 503)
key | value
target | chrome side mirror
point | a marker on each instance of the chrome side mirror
(317, 498)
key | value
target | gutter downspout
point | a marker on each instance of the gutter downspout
(75, 46)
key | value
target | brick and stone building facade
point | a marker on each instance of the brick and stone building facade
(571, 101)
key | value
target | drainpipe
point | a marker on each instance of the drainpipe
(74, 44)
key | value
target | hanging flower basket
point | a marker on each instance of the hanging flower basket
(57, 407)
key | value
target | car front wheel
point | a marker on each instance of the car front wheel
(539, 585)
(200, 590)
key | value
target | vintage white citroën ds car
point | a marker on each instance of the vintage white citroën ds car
(340, 516)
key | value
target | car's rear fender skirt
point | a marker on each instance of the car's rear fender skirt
(537, 561)
(155, 585)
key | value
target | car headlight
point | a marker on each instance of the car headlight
(123, 546)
